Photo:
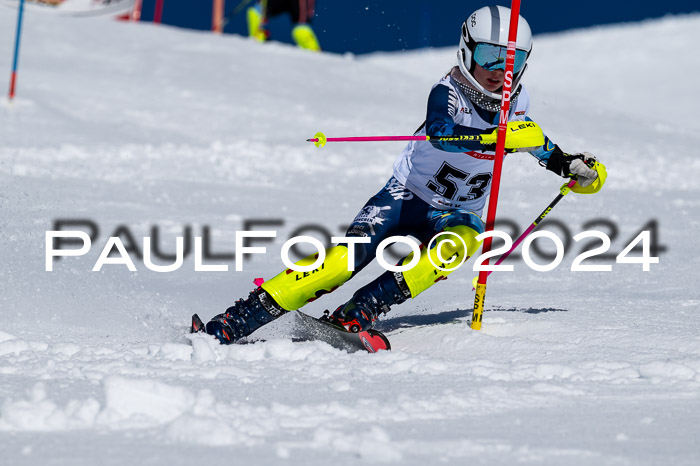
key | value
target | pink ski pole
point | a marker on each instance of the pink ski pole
(563, 191)
(320, 139)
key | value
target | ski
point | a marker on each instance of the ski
(310, 328)
(197, 324)
(322, 329)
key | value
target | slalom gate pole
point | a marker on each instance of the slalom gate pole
(480, 294)
(158, 12)
(217, 16)
(136, 12)
(15, 59)
(563, 191)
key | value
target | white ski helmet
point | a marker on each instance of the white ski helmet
(490, 25)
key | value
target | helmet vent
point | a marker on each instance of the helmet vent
(495, 23)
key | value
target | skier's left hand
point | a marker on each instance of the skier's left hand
(584, 168)
(580, 166)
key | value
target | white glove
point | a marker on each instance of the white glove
(579, 166)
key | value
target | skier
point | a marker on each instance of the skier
(437, 186)
(301, 12)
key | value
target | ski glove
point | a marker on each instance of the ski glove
(576, 166)
(581, 168)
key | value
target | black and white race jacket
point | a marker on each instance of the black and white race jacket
(456, 175)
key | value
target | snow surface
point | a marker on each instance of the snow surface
(138, 125)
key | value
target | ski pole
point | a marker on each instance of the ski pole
(237, 9)
(320, 139)
(563, 191)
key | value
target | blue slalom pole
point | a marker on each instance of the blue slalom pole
(13, 76)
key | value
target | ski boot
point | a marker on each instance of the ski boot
(244, 317)
(257, 24)
(305, 37)
(361, 312)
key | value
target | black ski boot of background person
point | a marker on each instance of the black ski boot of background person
(244, 317)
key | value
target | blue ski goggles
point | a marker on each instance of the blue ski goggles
(493, 57)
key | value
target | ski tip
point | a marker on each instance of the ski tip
(374, 340)
(197, 324)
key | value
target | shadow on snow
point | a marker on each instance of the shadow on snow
(448, 317)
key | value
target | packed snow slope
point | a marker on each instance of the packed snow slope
(135, 127)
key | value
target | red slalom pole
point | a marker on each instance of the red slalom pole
(498, 165)
(158, 12)
(217, 16)
(136, 13)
